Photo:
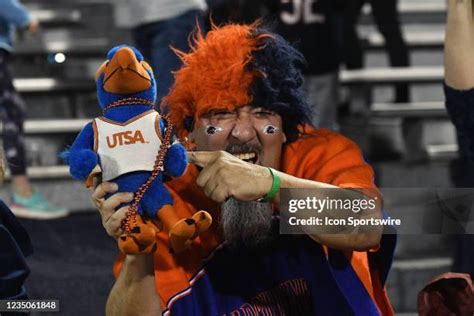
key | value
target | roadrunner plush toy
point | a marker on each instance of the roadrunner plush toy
(130, 145)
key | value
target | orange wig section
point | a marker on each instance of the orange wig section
(214, 74)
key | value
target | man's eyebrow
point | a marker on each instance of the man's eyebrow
(262, 109)
(217, 111)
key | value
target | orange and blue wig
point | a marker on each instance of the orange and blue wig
(237, 65)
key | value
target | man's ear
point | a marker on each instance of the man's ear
(284, 137)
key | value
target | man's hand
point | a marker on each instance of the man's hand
(134, 292)
(111, 219)
(225, 176)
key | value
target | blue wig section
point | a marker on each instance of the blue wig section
(280, 90)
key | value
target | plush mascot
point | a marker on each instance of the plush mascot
(128, 145)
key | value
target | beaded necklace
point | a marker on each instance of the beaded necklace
(128, 101)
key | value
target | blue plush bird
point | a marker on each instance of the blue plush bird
(122, 146)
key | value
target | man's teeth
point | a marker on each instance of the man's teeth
(245, 156)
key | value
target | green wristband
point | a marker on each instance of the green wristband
(274, 189)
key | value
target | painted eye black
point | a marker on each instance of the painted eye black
(211, 130)
(270, 129)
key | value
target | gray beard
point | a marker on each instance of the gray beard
(246, 224)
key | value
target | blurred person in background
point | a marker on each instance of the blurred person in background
(159, 24)
(459, 91)
(26, 202)
(15, 245)
(237, 11)
(386, 17)
(311, 27)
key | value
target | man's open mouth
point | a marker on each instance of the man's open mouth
(247, 152)
(250, 157)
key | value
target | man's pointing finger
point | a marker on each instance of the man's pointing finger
(202, 158)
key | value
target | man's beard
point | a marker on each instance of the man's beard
(247, 224)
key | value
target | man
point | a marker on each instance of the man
(387, 19)
(459, 90)
(26, 201)
(238, 100)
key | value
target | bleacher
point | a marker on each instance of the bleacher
(419, 258)
(59, 17)
(61, 98)
(52, 85)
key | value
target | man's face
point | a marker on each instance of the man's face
(253, 134)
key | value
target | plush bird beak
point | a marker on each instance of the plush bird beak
(124, 74)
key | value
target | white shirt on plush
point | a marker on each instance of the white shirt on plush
(127, 147)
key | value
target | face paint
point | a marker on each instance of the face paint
(270, 130)
(212, 130)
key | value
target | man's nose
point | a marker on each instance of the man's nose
(244, 130)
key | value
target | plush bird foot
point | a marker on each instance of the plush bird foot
(141, 240)
(183, 233)
(203, 221)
